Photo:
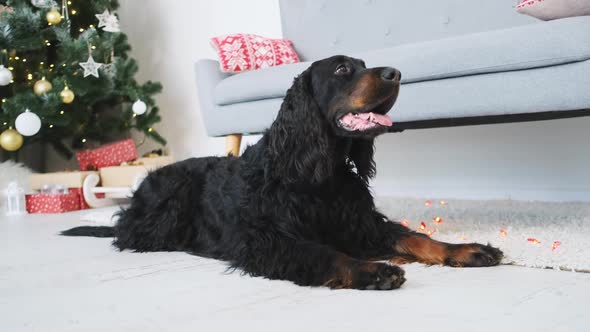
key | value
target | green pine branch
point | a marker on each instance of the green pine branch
(101, 110)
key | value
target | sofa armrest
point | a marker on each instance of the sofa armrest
(208, 76)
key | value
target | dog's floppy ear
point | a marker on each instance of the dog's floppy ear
(299, 144)
(361, 154)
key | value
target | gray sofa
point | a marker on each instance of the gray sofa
(463, 62)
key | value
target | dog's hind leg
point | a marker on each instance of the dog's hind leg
(312, 264)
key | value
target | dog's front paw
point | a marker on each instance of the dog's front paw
(380, 276)
(473, 255)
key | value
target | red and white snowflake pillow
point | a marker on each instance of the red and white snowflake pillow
(553, 9)
(242, 52)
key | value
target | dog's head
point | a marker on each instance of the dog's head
(334, 108)
(353, 98)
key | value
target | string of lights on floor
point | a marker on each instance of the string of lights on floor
(437, 224)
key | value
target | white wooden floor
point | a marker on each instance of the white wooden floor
(53, 283)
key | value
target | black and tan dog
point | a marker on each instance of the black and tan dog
(296, 205)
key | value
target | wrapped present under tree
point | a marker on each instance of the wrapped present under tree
(107, 155)
(71, 181)
(53, 202)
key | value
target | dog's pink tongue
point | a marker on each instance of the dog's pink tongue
(365, 120)
(383, 120)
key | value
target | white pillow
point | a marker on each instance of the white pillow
(554, 9)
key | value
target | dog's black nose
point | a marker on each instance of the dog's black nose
(391, 74)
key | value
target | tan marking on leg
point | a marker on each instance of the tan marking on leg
(423, 249)
(348, 270)
(343, 275)
(368, 267)
(400, 260)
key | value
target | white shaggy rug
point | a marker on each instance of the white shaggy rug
(533, 234)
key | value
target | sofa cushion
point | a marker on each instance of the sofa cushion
(537, 45)
(242, 52)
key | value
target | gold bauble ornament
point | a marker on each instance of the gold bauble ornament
(42, 86)
(11, 140)
(67, 95)
(53, 16)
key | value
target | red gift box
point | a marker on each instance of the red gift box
(83, 204)
(72, 180)
(53, 203)
(107, 155)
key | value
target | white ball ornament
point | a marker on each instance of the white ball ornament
(27, 123)
(139, 107)
(5, 76)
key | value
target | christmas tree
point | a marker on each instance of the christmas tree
(66, 78)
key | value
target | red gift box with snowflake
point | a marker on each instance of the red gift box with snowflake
(107, 155)
(53, 203)
(72, 180)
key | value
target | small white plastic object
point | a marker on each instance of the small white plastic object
(15, 200)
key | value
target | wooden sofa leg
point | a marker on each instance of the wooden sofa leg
(232, 144)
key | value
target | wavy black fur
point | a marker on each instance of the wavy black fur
(294, 206)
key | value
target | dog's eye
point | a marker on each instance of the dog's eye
(342, 70)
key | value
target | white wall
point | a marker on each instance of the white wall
(167, 37)
(538, 160)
